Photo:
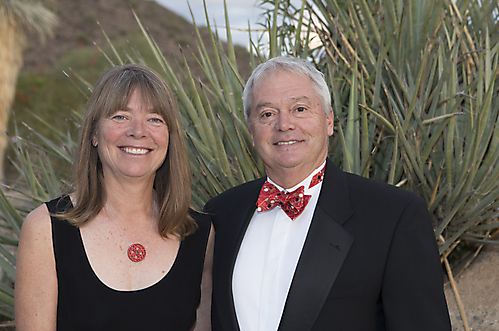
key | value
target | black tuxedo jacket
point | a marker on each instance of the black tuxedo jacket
(370, 261)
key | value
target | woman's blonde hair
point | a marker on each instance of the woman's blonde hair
(172, 183)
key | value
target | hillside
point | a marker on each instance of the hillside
(45, 91)
(78, 28)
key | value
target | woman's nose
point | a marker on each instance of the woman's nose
(136, 129)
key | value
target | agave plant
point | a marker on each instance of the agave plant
(38, 182)
(414, 90)
(221, 154)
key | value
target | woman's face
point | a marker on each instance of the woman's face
(132, 142)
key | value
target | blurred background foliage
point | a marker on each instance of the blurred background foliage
(414, 98)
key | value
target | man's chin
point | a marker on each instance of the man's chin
(287, 166)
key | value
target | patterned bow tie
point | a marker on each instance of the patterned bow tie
(318, 177)
(292, 203)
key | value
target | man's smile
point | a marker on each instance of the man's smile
(290, 142)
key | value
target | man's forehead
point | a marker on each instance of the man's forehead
(274, 72)
(302, 98)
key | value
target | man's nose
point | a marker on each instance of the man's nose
(284, 121)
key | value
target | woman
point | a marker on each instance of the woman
(122, 252)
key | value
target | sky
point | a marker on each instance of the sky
(240, 12)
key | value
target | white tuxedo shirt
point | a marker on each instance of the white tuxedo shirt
(267, 260)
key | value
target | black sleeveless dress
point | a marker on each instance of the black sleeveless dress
(85, 303)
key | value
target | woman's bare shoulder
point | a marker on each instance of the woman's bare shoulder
(36, 279)
(37, 220)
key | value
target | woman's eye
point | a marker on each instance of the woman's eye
(118, 117)
(156, 120)
(300, 109)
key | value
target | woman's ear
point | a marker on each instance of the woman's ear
(94, 140)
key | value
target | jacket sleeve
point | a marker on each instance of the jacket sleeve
(412, 292)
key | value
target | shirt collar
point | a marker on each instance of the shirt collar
(305, 182)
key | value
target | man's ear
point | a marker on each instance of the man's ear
(330, 122)
(252, 140)
(248, 125)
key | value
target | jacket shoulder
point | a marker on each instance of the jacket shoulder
(375, 190)
(235, 195)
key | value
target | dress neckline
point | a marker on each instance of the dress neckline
(128, 291)
(96, 277)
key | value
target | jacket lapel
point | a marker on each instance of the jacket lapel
(323, 254)
(240, 217)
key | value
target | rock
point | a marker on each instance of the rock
(478, 287)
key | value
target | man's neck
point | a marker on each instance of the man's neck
(290, 177)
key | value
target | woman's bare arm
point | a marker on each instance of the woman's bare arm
(36, 280)
(203, 320)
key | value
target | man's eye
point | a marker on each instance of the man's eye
(266, 114)
(301, 109)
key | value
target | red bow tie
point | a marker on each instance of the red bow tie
(318, 177)
(292, 203)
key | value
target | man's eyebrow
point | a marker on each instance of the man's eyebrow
(302, 98)
(262, 105)
(267, 104)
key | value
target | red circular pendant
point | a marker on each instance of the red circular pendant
(136, 252)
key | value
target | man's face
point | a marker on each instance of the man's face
(288, 126)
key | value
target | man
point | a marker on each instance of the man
(312, 247)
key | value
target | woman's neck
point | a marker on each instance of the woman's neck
(131, 202)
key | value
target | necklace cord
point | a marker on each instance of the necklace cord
(136, 252)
